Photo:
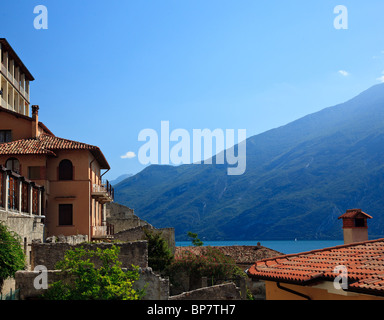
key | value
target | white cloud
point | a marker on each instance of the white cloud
(343, 73)
(128, 155)
(381, 79)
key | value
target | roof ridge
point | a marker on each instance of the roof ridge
(320, 250)
(68, 140)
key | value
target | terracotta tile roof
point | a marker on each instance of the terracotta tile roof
(47, 144)
(364, 262)
(352, 213)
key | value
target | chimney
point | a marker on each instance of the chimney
(35, 121)
(355, 227)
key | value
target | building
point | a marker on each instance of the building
(15, 80)
(69, 172)
(353, 271)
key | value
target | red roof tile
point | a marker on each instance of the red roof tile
(352, 213)
(364, 263)
(48, 145)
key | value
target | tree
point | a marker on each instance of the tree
(159, 254)
(11, 254)
(195, 240)
(86, 282)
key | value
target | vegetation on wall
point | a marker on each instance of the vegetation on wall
(11, 254)
(86, 282)
(159, 253)
(211, 263)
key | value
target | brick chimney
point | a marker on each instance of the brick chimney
(35, 121)
(355, 227)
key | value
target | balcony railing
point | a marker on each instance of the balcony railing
(104, 192)
(102, 231)
(19, 195)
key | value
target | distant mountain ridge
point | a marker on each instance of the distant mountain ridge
(300, 177)
(120, 178)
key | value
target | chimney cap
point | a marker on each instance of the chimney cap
(355, 213)
(35, 109)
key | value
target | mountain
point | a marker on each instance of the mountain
(120, 178)
(300, 178)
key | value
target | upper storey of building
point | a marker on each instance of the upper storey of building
(15, 79)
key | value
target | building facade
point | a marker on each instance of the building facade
(15, 80)
(69, 171)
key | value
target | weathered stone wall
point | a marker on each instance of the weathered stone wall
(227, 291)
(75, 239)
(48, 254)
(123, 218)
(137, 233)
(29, 229)
(25, 282)
(156, 288)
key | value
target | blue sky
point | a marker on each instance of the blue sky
(105, 70)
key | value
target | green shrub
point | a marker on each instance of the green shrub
(12, 256)
(159, 254)
(86, 282)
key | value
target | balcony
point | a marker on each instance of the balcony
(103, 193)
(20, 87)
(102, 232)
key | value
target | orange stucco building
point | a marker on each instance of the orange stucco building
(69, 171)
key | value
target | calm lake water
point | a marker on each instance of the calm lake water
(286, 246)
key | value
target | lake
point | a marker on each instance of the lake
(283, 246)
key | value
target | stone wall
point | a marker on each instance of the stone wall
(29, 229)
(123, 218)
(48, 254)
(227, 291)
(137, 233)
(156, 288)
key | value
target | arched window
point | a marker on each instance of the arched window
(13, 164)
(65, 170)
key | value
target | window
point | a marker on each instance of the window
(65, 170)
(359, 222)
(65, 214)
(5, 136)
(34, 173)
(13, 164)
